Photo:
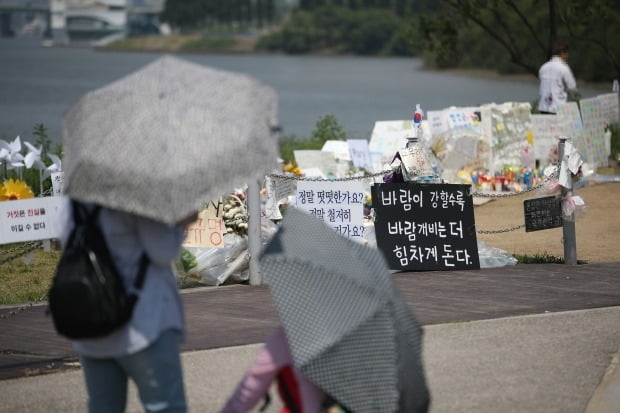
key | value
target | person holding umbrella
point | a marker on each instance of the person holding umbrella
(346, 330)
(147, 349)
(152, 148)
(274, 363)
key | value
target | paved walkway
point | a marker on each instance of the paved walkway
(222, 318)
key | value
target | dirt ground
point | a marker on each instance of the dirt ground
(597, 232)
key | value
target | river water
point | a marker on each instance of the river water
(38, 84)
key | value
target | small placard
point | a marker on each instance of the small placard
(57, 182)
(421, 227)
(542, 213)
(30, 219)
(208, 230)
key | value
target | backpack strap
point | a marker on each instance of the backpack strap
(81, 216)
(144, 263)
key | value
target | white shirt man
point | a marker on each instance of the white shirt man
(556, 79)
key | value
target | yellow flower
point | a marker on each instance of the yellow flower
(288, 167)
(12, 189)
(297, 171)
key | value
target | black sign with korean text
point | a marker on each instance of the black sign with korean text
(542, 213)
(422, 227)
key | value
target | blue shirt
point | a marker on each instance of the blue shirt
(159, 306)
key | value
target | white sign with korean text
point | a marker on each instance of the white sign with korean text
(339, 204)
(30, 219)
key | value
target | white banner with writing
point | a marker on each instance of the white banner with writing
(339, 204)
(30, 219)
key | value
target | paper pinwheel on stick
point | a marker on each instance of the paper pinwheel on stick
(13, 159)
(33, 159)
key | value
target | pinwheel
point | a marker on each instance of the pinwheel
(56, 165)
(13, 158)
(33, 158)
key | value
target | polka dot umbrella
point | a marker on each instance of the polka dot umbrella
(349, 328)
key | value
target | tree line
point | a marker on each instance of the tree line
(189, 15)
(510, 36)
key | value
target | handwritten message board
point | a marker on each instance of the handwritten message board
(542, 213)
(545, 132)
(326, 162)
(30, 219)
(593, 131)
(610, 108)
(388, 137)
(339, 204)
(569, 124)
(425, 226)
(208, 230)
(360, 154)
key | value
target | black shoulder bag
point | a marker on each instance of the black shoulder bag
(87, 298)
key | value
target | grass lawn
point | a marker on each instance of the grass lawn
(28, 277)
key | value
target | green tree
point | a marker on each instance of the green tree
(524, 30)
(327, 128)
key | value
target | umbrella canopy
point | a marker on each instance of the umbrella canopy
(166, 139)
(349, 328)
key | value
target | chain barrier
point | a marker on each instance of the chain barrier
(25, 248)
(20, 251)
(500, 231)
(544, 181)
(24, 307)
(348, 178)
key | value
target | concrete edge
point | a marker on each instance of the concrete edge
(606, 397)
(522, 316)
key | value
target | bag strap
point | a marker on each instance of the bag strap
(144, 263)
(80, 215)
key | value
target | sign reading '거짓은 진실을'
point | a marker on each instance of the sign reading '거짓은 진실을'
(30, 219)
(423, 227)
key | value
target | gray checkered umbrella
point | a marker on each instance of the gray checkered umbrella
(166, 139)
(349, 328)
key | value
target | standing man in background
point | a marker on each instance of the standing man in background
(556, 80)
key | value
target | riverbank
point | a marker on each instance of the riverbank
(186, 43)
(246, 44)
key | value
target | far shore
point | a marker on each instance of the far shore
(246, 45)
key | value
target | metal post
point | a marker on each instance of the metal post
(568, 225)
(254, 231)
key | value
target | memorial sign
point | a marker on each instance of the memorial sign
(338, 204)
(425, 226)
(542, 213)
